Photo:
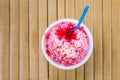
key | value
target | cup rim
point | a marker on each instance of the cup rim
(73, 66)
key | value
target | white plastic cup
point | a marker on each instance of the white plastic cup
(62, 66)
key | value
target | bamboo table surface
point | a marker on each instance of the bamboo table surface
(22, 23)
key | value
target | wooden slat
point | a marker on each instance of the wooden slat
(4, 39)
(24, 63)
(107, 39)
(14, 39)
(51, 18)
(33, 39)
(79, 8)
(70, 14)
(61, 9)
(98, 40)
(43, 64)
(70, 9)
(89, 23)
(61, 15)
(115, 40)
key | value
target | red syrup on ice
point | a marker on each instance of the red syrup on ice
(65, 48)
